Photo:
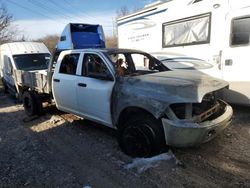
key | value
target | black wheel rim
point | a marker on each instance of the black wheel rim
(137, 140)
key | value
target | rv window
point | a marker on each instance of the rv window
(69, 64)
(240, 31)
(188, 31)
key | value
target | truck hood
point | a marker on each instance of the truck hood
(173, 86)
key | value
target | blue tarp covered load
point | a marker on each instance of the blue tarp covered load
(86, 36)
(79, 36)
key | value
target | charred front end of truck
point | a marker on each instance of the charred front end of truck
(190, 124)
(154, 106)
(187, 105)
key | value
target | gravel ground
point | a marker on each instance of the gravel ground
(60, 150)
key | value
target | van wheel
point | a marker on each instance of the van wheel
(141, 136)
(32, 103)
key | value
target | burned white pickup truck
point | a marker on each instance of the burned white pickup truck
(150, 105)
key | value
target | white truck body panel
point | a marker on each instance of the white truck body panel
(91, 101)
(155, 30)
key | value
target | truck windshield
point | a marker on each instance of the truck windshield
(29, 62)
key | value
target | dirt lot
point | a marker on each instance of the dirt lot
(58, 150)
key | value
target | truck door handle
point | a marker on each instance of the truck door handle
(82, 85)
(56, 80)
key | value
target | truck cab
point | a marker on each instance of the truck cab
(88, 90)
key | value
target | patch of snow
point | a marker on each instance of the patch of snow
(87, 186)
(142, 164)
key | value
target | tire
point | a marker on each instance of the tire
(32, 103)
(5, 87)
(141, 136)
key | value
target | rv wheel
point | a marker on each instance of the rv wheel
(141, 136)
(31, 103)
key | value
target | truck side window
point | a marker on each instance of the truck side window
(93, 66)
(240, 31)
(69, 64)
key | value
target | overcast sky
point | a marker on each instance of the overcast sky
(38, 18)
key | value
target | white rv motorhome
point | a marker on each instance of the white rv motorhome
(24, 56)
(217, 31)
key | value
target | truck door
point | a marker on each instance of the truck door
(64, 83)
(94, 89)
(236, 57)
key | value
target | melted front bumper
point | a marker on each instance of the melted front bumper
(181, 134)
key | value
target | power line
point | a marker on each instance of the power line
(40, 13)
(31, 10)
(48, 9)
(64, 9)
(44, 15)
(81, 11)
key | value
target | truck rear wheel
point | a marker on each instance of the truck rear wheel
(32, 103)
(141, 136)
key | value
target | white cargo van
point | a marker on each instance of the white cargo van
(24, 56)
(217, 31)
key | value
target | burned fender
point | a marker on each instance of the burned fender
(155, 92)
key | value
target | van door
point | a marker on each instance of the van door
(236, 59)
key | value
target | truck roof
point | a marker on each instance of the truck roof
(107, 50)
(24, 47)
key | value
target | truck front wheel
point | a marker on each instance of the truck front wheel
(141, 136)
(32, 103)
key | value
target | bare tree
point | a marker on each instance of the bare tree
(123, 11)
(50, 41)
(111, 42)
(7, 32)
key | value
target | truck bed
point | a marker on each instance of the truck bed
(34, 80)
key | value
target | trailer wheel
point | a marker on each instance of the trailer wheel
(32, 103)
(141, 136)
